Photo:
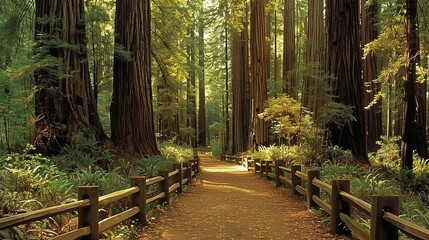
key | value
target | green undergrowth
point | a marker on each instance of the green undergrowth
(382, 176)
(31, 181)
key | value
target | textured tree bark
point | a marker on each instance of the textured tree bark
(373, 115)
(414, 119)
(191, 110)
(344, 62)
(226, 106)
(202, 122)
(315, 55)
(240, 88)
(64, 104)
(289, 54)
(131, 109)
(259, 69)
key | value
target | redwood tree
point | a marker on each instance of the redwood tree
(289, 55)
(259, 66)
(240, 85)
(344, 63)
(202, 122)
(414, 120)
(373, 115)
(64, 101)
(131, 109)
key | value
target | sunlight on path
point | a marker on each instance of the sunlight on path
(227, 202)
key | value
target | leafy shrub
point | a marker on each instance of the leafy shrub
(388, 155)
(82, 154)
(176, 153)
(151, 165)
(216, 147)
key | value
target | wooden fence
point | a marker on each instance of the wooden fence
(382, 212)
(90, 226)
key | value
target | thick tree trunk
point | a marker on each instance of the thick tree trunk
(131, 109)
(64, 104)
(414, 119)
(373, 115)
(289, 54)
(259, 68)
(240, 86)
(344, 62)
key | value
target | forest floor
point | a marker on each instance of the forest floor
(227, 202)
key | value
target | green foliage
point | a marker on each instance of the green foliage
(175, 153)
(287, 116)
(388, 155)
(124, 231)
(82, 154)
(216, 147)
(151, 165)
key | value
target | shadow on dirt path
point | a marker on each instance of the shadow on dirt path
(227, 202)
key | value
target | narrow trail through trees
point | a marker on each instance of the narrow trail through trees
(227, 202)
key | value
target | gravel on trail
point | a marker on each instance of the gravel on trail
(227, 202)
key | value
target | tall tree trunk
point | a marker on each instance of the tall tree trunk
(373, 115)
(131, 110)
(64, 102)
(289, 53)
(191, 111)
(240, 86)
(226, 140)
(344, 62)
(315, 56)
(259, 68)
(202, 122)
(414, 119)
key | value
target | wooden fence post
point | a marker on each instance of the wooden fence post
(165, 185)
(197, 162)
(178, 166)
(267, 169)
(338, 205)
(255, 162)
(311, 189)
(246, 160)
(295, 179)
(189, 175)
(88, 216)
(278, 171)
(140, 197)
(193, 165)
(185, 173)
(380, 229)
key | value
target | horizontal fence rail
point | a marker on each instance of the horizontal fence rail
(90, 226)
(383, 211)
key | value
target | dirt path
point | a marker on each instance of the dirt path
(230, 203)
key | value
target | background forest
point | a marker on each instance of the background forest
(96, 91)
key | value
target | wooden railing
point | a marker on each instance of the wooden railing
(90, 226)
(382, 212)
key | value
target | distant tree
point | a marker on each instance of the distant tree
(202, 122)
(289, 53)
(64, 101)
(131, 110)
